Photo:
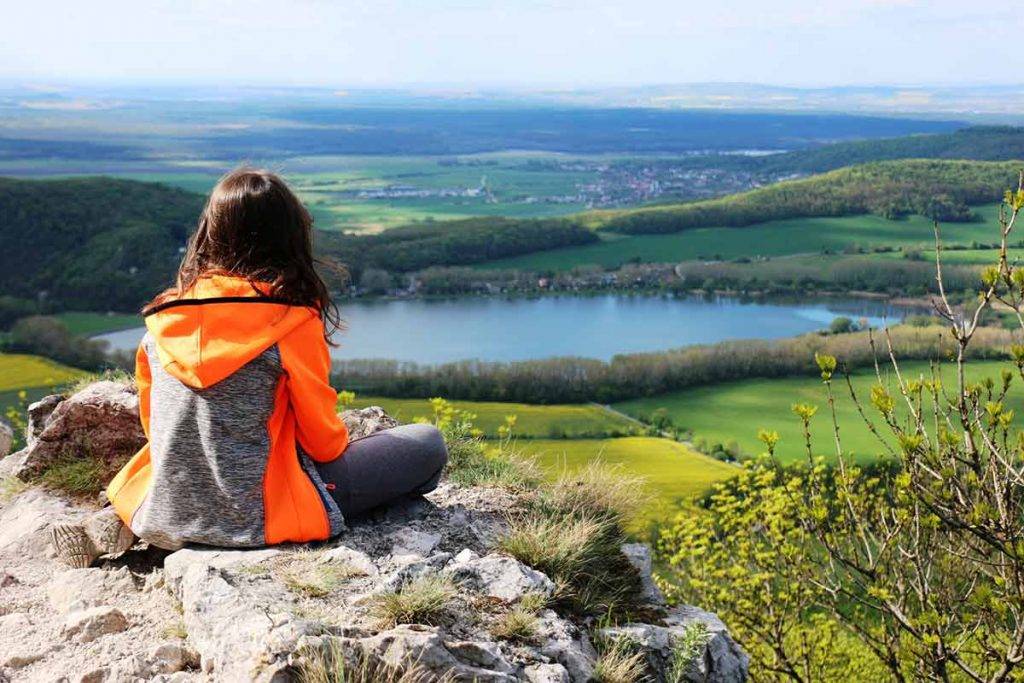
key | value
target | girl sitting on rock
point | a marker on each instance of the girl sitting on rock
(245, 447)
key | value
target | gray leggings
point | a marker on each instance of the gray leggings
(381, 467)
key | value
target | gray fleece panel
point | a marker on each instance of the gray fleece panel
(209, 450)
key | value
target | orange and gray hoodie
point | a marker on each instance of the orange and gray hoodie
(235, 403)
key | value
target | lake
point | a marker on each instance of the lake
(498, 329)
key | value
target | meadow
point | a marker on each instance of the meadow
(673, 473)
(33, 375)
(774, 238)
(87, 324)
(532, 421)
(735, 411)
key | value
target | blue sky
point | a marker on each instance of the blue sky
(527, 43)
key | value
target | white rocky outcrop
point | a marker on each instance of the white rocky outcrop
(232, 615)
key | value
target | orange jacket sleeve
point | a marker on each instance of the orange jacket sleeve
(305, 358)
(143, 380)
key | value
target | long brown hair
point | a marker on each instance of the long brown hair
(253, 226)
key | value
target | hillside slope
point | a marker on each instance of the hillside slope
(91, 242)
(939, 189)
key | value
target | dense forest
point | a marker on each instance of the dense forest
(979, 143)
(939, 189)
(91, 243)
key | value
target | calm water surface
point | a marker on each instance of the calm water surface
(595, 327)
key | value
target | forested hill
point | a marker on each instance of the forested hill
(980, 143)
(939, 189)
(91, 243)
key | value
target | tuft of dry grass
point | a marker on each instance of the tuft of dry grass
(598, 490)
(175, 630)
(518, 624)
(421, 601)
(620, 663)
(115, 375)
(306, 573)
(331, 665)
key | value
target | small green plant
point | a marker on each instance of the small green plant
(346, 399)
(421, 601)
(685, 649)
(471, 460)
(620, 662)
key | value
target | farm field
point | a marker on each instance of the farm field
(735, 411)
(774, 238)
(674, 473)
(87, 324)
(33, 375)
(454, 187)
(532, 421)
(22, 371)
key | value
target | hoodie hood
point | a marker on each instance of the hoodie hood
(217, 326)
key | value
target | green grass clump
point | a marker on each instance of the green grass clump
(77, 474)
(421, 601)
(573, 532)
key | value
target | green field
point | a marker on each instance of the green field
(21, 371)
(34, 376)
(87, 324)
(327, 186)
(673, 472)
(775, 238)
(734, 411)
(532, 421)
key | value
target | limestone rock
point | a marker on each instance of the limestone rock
(351, 557)
(78, 589)
(91, 623)
(365, 421)
(38, 414)
(721, 660)
(545, 673)
(178, 563)
(639, 555)
(6, 438)
(412, 542)
(499, 576)
(101, 421)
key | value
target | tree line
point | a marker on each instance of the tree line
(576, 380)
